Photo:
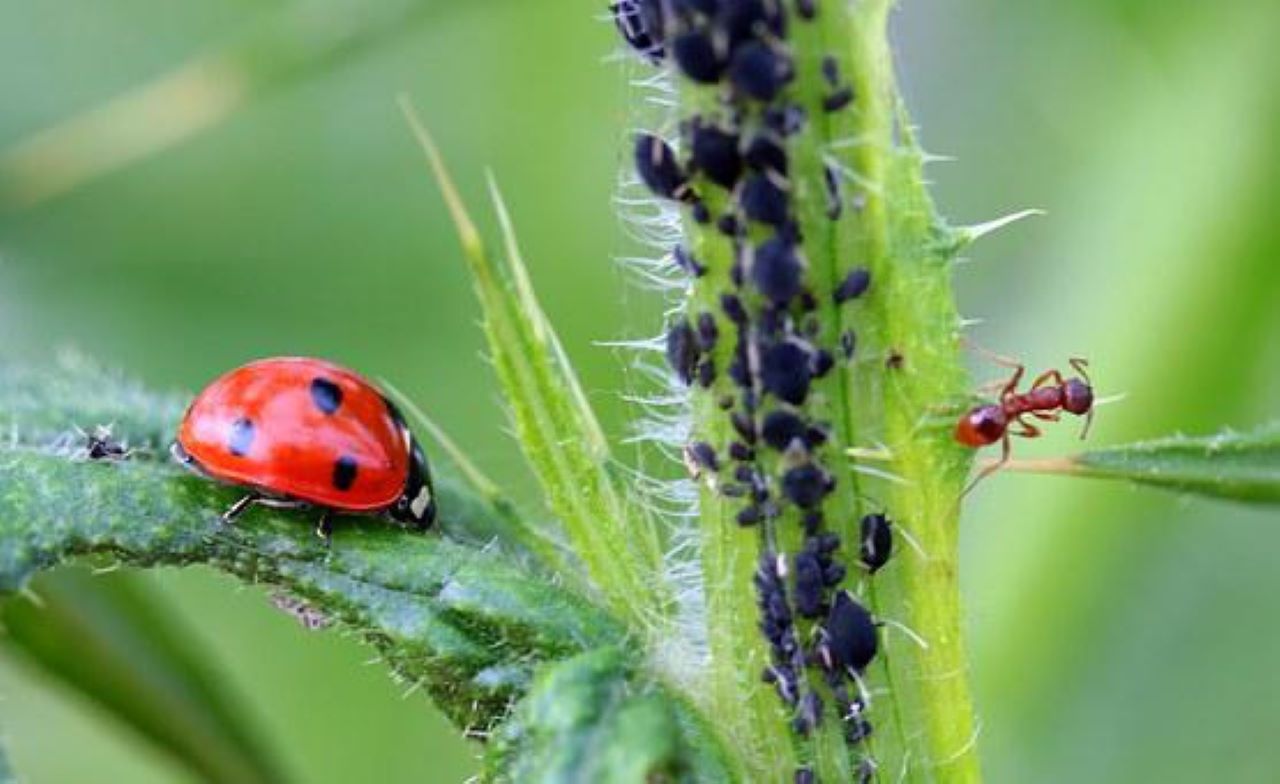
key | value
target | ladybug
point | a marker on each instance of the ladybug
(300, 432)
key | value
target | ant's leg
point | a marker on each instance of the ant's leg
(1047, 416)
(1028, 430)
(1081, 366)
(1048, 375)
(1006, 451)
(239, 508)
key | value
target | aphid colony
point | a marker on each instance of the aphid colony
(733, 160)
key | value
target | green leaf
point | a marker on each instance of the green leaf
(593, 718)
(554, 424)
(467, 624)
(1235, 466)
(107, 640)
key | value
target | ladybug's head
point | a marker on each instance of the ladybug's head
(417, 504)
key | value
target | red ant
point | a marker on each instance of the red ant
(1049, 393)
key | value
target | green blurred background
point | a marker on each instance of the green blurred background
(1118, 635)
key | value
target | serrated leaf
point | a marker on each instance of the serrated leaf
(468, 624)
(109, 641)
(1237, 466)
(554, 424)
(593, 718)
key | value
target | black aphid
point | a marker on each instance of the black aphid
(733, 308)
(707, 331)
(822, 363)
(777, 271)
(785, 120)
(696, 54)
(759, 71)
(808, 713)
(640, 23)
(877, 542)
(706, 373)
(741, 452)
(831, 70)
(817, 434)
(856, 730)
(835, 193)
(744, 426)
(682, 350)
(742, 20)
(848, 343)
(700, 211)
(749, 515)
(704, 7)
(764, 200)
(854, 285)
(699, 457)
(805, 776)
(728, 225)
(833, 574)
(658, 169)
(733, 490)
(851, 640)
(715, 154)
(806, 485)
(809, 585)
(838, 99)
(767, 154)
(681, 257)
(784, 371)
(780, 428)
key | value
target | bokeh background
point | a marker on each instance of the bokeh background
(1118, 635)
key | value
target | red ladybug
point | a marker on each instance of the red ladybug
(303, 432)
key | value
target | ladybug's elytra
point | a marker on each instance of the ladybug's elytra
(304, 432)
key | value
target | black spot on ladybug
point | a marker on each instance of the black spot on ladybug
(344, 472)
(776, 270)
(854, 285)
(715, 154)
(240, 439)
(658, 169)
(784, 371)
(759, 71)
(851, 638)
(326, 395)
(780, 428)
(806, 485)
(696, 54)
(764, 200)
(877, 542)
(838, 99)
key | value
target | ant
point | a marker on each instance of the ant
(1049, 395)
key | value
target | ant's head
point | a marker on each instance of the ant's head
(982, 426)
(1077, 396)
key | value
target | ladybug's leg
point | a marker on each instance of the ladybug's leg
(324, 528)
(238, 508)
